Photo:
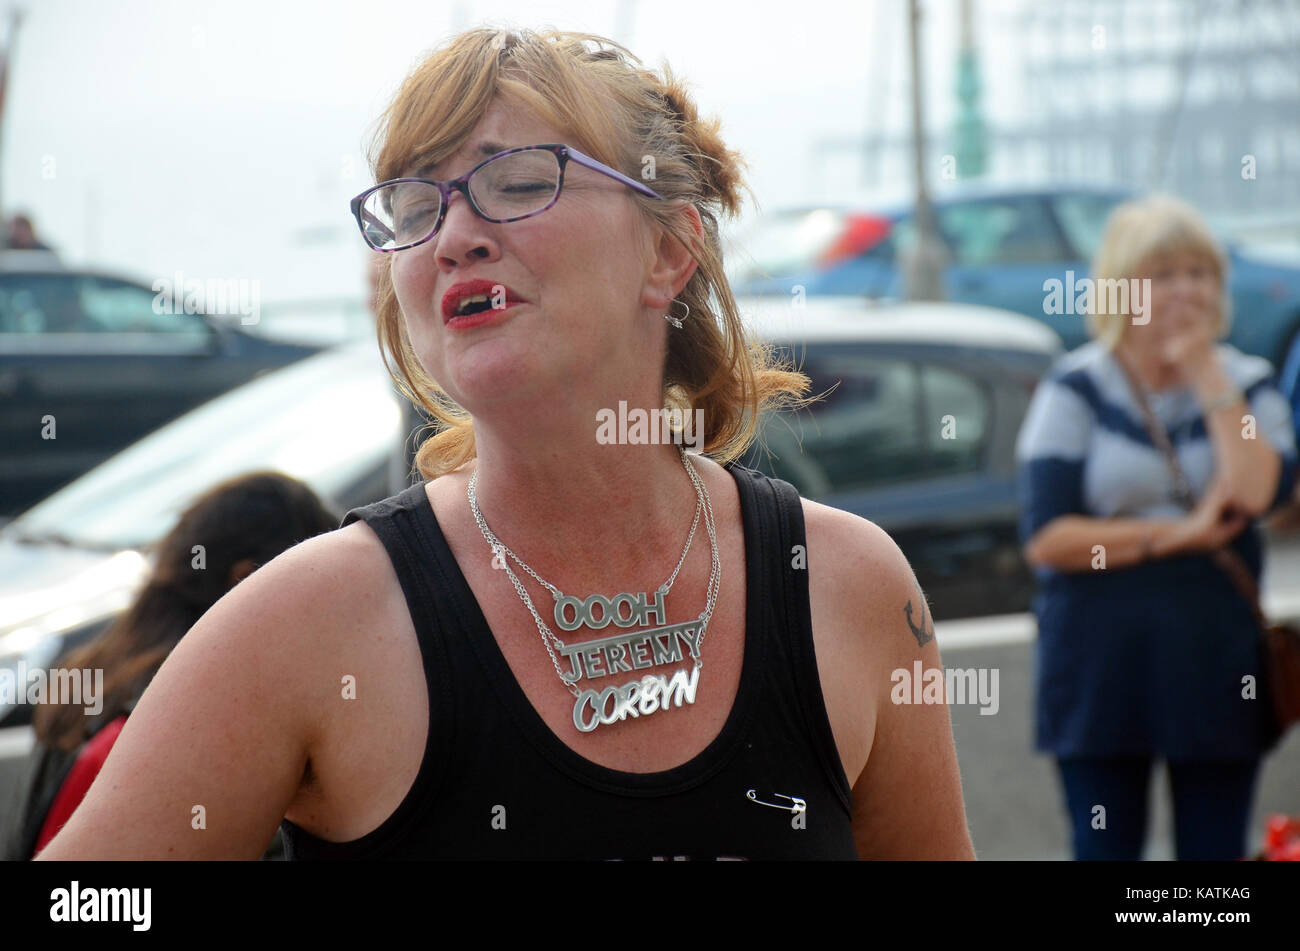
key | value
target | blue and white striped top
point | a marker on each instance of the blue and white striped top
(1088, 452)
(1149, 659)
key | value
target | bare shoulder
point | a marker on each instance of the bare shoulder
(217, 747)
(334, 565)
(856, 553)
(862, 582)
(329, 585)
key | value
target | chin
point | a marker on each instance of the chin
(491, 375)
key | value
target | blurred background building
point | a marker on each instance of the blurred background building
(1197, 97)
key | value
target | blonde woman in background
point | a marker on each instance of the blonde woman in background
(1145, 645)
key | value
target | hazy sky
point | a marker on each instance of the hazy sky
(223, 140)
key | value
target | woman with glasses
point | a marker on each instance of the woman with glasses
(576, 639)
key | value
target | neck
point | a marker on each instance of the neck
(582, 513)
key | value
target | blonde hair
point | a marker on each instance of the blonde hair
(1138, 233)
(624, 115)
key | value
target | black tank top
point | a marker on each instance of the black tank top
(496, 783)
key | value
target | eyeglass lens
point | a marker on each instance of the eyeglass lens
(516, 184)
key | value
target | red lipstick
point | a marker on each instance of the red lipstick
(481, 300)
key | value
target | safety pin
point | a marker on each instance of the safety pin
(799, 804)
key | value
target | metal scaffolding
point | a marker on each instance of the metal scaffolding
(1198, 97)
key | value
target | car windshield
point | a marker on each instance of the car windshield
(326, 420)
(1083, 219)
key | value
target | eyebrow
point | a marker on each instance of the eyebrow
(484, 149)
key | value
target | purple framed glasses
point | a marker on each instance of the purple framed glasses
(509, 186)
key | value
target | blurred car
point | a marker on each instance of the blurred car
(917, 434)
(87, 351)
(71, 563)
(1002, 246)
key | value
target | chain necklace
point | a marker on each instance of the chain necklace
(556, 593)
(627, 651)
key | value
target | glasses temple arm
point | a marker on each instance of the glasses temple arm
(591, 163)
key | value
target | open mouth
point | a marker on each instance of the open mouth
(474, 304)
(477, 298)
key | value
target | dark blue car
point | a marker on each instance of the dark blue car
(1002, 246)
(89, 363)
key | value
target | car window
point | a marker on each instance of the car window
(40, 304)
(957, 415)
(888, 420)
(1002, 231)
(866, 432)
(113, 306)
(1083, 219)
(83, 304)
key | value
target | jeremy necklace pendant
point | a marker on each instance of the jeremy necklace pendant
(627, 652)
(636, 698)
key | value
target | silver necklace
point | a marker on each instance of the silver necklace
(627, 651)
(556, 593)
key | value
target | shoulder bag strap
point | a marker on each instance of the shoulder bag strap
(1227, 559)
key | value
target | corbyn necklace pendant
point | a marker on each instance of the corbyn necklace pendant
(653, 693)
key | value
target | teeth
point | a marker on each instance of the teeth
(472, 299)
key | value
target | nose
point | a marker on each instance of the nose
(464, 237)
(1186, 286)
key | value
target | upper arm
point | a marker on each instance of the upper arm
(907, 801)
(216, 748)
(1051, 451)
(1274, 420)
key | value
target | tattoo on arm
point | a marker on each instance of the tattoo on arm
(922, 635)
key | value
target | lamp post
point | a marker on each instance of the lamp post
(6, 58)
(923, 263)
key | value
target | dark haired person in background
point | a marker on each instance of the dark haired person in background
(21, 235)
(242, 524)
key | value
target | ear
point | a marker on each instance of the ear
(672, 264)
